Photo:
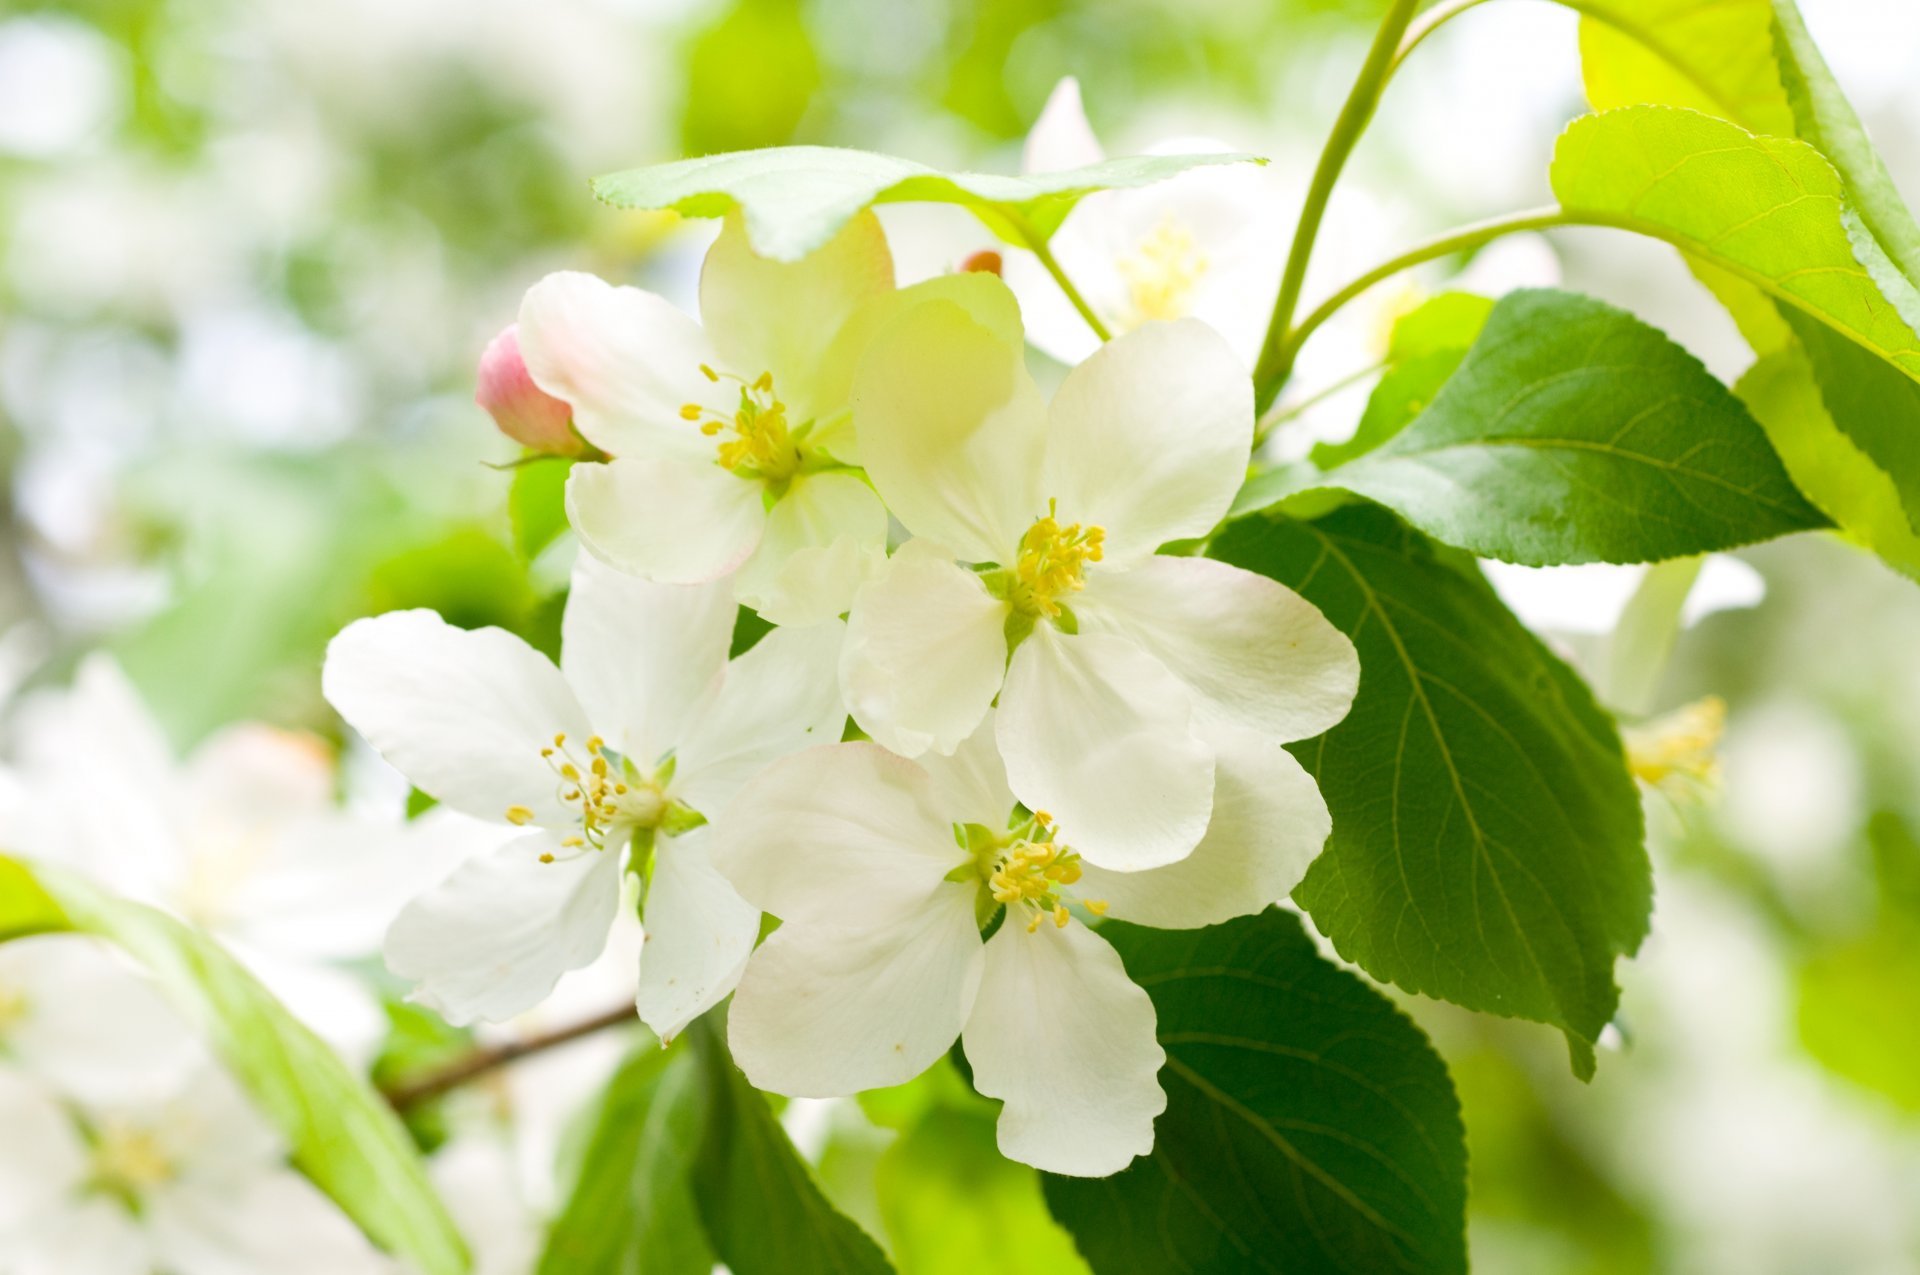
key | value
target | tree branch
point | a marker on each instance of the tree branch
(465, 1070)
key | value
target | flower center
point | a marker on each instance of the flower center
(756, 441)
(1161, 274)
(1682, 745)
(1029, 867)
(128, 1161)
(1053, 563)
(608, 796)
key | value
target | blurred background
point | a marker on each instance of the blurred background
(250, 251)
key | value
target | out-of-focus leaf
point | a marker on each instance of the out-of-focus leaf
(1425, 349)
(468, 576)
(1309, 1124)
(764, 1213)
(1714, 56)
(1573, 432)
(795, 198)
(631, 1207)
(1447, 321)
(343, 1136)
(1860, 1011)
(1486, 843)
(750, 76)
(1768, 210)
(537, 504)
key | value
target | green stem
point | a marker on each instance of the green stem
(1273, 367)
(1460, 240)
(1273, 420)
(1040, 249)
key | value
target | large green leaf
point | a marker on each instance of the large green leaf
(1425, 349)
(764, 1213)
(1486, 842)
(1309, 1125)
(631, 1207)
(1573, 432)
(1767, 210)
(1714, 56)
(796, 197)
(343, 1136)
(1876, 407)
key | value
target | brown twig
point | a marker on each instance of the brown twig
(481, 1061)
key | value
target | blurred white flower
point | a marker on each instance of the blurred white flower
(644, 732)
(61, 85)
(68, 1007)
(1119, 658)
(242, 839)
(730, 440)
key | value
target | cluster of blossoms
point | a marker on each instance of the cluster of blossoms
(991, 713)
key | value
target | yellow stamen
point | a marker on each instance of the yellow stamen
(1161, 274)
(519, 815)
(761, 445)
(1053, 564)
(1096, 906)
(1682, 745)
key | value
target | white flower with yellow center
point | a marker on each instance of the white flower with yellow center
(887, 872)
(731, 446)
(242, 838)
(194, 1181)
(68, 1008)
(616, 758)
(1120, 659)
(1201, 244)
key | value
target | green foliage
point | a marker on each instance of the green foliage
(763, 1211)
(1768, 210)
(795, 198)
(1309, 1124)
(343, 1136)
(750, 77)
(1714, 56)
(537, 504)
(1425, 349)
(631, 1207)
(1486, 843)
(1573, 432)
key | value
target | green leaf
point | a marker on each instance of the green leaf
(1425, 349)
(1835, 474)
(1876, 407)
(795, 198)
(631, 1207)
(1823, 116)
(1714, 56)
(1573, 432)
(953, 1205)
(537, 504)
(1445, 321)
(764, 1213)
(1486, 843)
(1768, 210)
(343, 1136)
(1859, 1011)
(1309, 1124)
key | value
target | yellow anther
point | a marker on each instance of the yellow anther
(546, 856)
(599, 766)
(761, 443)
(1053, 564)
(709, 373)
(571, 842)
(519, 815)
(1034, 924)
(570, 771)
(1096, 906)
(1161, 274)
(574, 795)
(1061, 916)
(546, 752)
(1683, 745)
(691, 411)
(560, 741)
(595, 744)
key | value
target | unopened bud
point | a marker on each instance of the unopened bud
(986, 261)
(523, 411)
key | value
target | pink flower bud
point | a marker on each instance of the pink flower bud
(523, 411)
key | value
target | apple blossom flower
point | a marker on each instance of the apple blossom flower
(1200, 244)
(620, 755)
(196, 1181)
(886, 872)
(524, 412)
(1120, 659)
(69, 1005)
(730, 441)
(243, 839)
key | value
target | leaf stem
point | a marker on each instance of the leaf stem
(465, 1070)
(1039, 248)
(1274, 364)
(1274, 419)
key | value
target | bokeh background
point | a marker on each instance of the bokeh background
(250, 249)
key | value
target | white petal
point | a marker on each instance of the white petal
(210, 1127)
(699, 935)
(338, 1006)
(1150, 437)
(926, 650)
(839, 835)
(493, 939)
(625, 360)
(1098, 733)
(271, 1221)
(970, 786)
(83, 1236)
(91, 1026)
(673, 519)
(776, 699)
(951, 427)
(824, 1011)
(1269, 822)
(641, 656)
(1067, 1040)
(827, 535)
(249, 776)
(462, 713)
(44, 1158)
(781, 317)
(1061, 138)
(1255, 653)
